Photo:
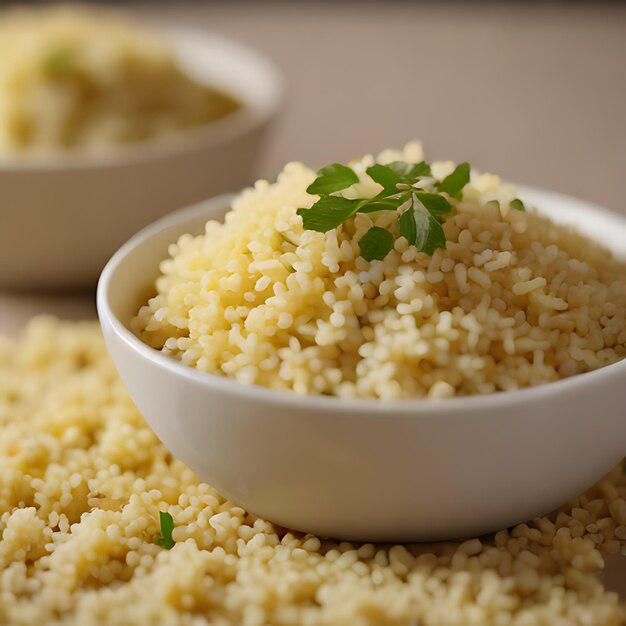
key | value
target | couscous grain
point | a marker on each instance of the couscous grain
(83, 479)
(514, 300)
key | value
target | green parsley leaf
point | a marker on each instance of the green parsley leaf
(376, 243)
(420, 224)
(383, 204)
(328, 213)
(517, 204)
(167, 526)
(453, 183)
(58, 61)
(410, 171)
(332, 178)
(434, 203)
(385, 176)
(408, 228)
(436, 237)
(415, 224)
(397, 173)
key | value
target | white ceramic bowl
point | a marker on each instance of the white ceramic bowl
(63, 215)
(370, 469)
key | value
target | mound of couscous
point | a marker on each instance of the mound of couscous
(83, 78)
(83, 481)
(320, 293)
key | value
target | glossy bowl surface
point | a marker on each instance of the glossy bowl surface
(370, 469)
(64, 214)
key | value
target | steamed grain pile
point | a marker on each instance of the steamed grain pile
(82, 481)
(514, 301)
(73, 77)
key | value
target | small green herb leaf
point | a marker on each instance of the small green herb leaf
(410, 171)
(436, 204)
(332, 178)
(517, 204)
(376, 243)
(422, 224)
(429, 234)
(385, 176)
(383, 204)
(397, 172)
(407, 226)
(453, 183)
(167, 526)
(58, 61)
(436, 237)
(328, 213)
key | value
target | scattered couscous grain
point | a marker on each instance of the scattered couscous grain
(515, 300)
(83, 479)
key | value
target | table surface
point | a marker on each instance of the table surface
(534, 92)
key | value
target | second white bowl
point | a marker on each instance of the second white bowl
(63, 215)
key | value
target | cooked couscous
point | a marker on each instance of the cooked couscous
(491, 298)
(83, 480)
(84, 78)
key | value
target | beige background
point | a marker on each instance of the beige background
(534, 92)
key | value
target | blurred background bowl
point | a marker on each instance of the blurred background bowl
(64, 214)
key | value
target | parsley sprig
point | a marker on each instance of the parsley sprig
(58, 62)
(407, 188)
(167, 526)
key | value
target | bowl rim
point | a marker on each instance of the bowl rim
(405, 407)
(254, 112)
